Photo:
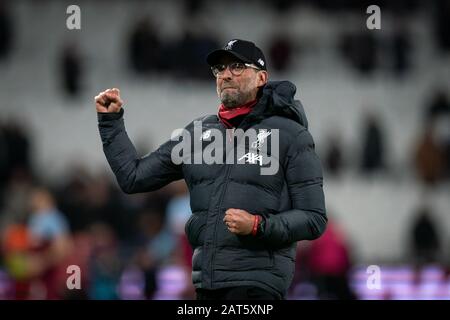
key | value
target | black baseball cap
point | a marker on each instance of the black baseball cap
(246, 51)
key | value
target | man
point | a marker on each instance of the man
(244, 225)
(50, 243)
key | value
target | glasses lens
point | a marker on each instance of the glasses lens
(237, 68)
(217, 69)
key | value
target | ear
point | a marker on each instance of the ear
(262, 77)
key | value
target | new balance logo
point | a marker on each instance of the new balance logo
(206, 135)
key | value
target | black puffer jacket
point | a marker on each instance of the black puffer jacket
(291, 201)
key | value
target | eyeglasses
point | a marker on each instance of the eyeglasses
(236, 68)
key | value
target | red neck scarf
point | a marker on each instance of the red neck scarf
(227, 114)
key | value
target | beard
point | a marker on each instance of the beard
(234, 99)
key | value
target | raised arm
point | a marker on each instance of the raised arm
(133, 174)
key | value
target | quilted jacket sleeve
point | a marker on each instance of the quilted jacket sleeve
(307, 219)
(135, 174)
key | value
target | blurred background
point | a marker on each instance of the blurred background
(378, 108)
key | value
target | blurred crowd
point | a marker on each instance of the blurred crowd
(149, 52)
(430, 157)
(134, 246)
(122, 244)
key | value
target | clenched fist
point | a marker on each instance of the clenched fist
(108, 101)
(239, 221)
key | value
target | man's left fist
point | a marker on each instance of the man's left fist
(239, 221)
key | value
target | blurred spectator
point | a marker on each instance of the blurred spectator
(333, 160)
(15, 145)
(282, 6)
(190, 53)
(80, 255)
(72, 197)
(46, 222)
(429, 157)
(178, 208)
(425, 238)
(104, 205)
(15, 198)
(4, 166)
(441, 19)
(35, 248)
(49, 240)
(149, 268)
(280, 52)
(71, 69)
(438, 114)
(328, 261)
(401, 50)
(15, 243)
(302, 274)
(158, 239)
(6, 31)
(144, 47)
(88, 199)
(18, 141)
(193, 6)
(372, 158)
(178, 212)
(439, 105)
(104, 266)
(361, 51)
(157, 243)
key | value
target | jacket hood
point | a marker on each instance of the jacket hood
(279, 97)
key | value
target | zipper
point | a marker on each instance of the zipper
(227, 173)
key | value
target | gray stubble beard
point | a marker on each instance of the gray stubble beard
(233, 101)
